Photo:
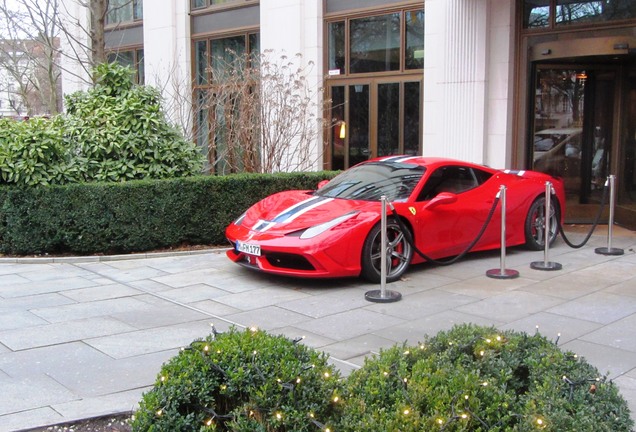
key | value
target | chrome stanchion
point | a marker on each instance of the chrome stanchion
(383, 295)
(546, 264)
(502, 272)
(609, 250)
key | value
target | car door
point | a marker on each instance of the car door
(446, 224)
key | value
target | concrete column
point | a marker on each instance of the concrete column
(467, 88)
(75, 76)
(167, 56)
(290, 27)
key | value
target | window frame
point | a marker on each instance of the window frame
(138, 60)
(554, 26)
(203, 133)
(137, 14)
(346, 20)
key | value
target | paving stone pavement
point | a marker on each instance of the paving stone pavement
(85, 337)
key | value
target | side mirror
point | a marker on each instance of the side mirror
(322, 183)
(441, 199)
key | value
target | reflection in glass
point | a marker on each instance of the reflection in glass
(558, 125)
(415, 39)
(586, 11)
(627, 173)
(536, 13)
(375, 44)
(141, 70)
(388, 119)
(201, 62)
(337, 46)
(396, 181)
(337, 121)
(202, 128)
(227, 54)
(412, 118)
(359, 123)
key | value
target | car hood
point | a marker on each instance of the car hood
(295, 210)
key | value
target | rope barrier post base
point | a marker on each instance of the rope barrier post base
(383, 295)
(609, 250)
(542, 265)
(377, 297)
(546, 264)
(502, 272)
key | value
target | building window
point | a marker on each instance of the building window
(375, 43)
(124, 11)
(375, 68)
(548, 14)
(133, 58)
(216, 59)
(200, 4)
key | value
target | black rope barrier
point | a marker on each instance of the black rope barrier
(594, 225)
(409, 237)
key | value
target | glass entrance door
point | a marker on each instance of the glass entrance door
(626, 199)
(572, 135)
(374, 118)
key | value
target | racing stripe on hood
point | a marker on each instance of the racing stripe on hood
(302, 207)
(292, 212)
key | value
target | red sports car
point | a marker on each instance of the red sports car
(334, 231)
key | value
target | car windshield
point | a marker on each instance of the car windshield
(371, 180)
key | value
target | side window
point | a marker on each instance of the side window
(454, 179)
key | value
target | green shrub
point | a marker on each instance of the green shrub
(241, 381)
(133, 216)
(35, 152)
(481, 379)
(114, 132)
(467, 379)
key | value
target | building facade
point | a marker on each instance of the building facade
(524, 84)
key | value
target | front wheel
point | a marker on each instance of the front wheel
(535, 224)
(399, 253)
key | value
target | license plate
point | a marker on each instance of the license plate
(250, 249)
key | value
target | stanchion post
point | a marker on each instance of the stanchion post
(609, 250)
(546, 264)
(502, 272)
(383, 295)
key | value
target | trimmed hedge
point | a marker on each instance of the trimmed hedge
(133, 216)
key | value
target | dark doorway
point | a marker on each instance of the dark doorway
(576, 133)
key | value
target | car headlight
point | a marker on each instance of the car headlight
(319, 229)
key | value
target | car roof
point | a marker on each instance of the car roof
(430, 162)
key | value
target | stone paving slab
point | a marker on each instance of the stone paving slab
(115, 320)
(70, 331)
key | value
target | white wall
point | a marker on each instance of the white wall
(293, 27)
(74, 76)
(467, 89)
(167, 55)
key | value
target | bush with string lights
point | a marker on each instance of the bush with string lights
(469, 378)
(481, 379)
(242, 381)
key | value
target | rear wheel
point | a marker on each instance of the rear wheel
(535, 224)
(399, 253)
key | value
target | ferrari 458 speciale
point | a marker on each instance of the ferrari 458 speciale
(442, 205)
